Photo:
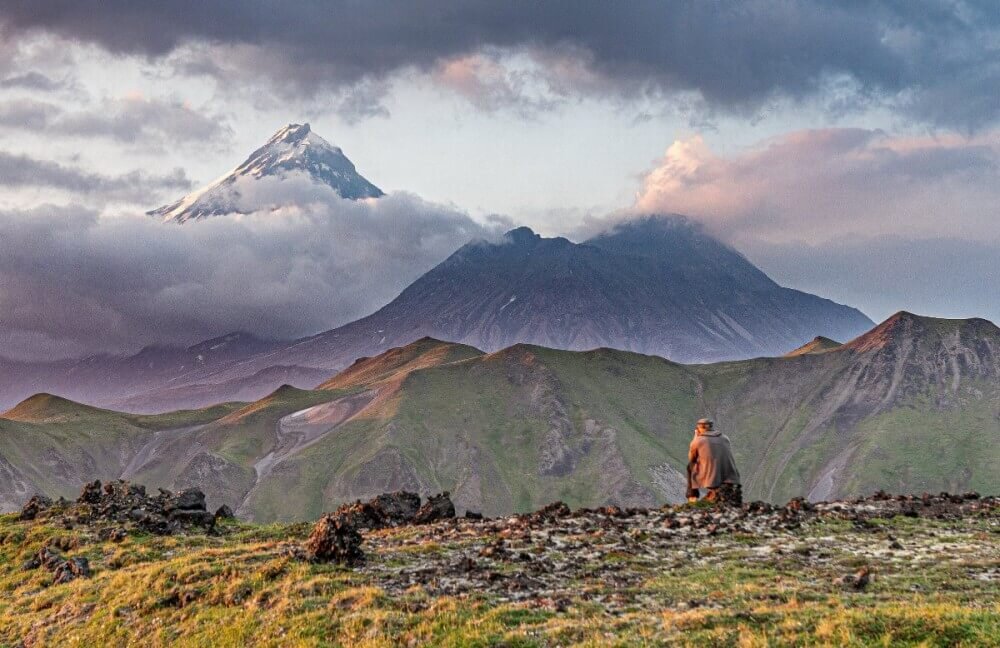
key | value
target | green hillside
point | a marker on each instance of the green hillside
(912, 406)
(53, 445)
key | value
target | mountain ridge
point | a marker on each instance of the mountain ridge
(658, 286)
(509, 430)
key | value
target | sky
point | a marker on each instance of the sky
(848, 149)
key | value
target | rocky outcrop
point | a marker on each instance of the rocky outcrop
(386, 510)
(334, 539)
(63, 569)
(119, 506)
(437, 507)
(34, 506)
(396, 509)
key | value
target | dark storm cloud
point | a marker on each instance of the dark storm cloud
(137, 186)
(73, 279)
(932, 61)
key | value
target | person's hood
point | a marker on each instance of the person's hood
(712, 433)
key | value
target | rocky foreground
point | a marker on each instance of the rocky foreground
(118, 566)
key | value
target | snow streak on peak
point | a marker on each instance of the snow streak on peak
(293, 149)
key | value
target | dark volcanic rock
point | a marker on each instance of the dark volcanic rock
(63, 569)
(397, 508)
(189, 499)
(437, 507)
(224, 513)
(91, 493)
(551, 511)
(386, 510)
(34, 506)
(123, 506)
(192, 517)
(334, 539)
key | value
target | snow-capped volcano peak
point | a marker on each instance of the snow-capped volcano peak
(294, 149)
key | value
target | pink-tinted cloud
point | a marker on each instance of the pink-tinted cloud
(814, 185)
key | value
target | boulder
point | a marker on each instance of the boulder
(334, 539)
(224, 513)
(192, 518)
(34, 506)
(91, 493)
(397, 508)
(726, 495)
(551, 512)
(437, 507)
(386, 510)
(63, 570)
(189, 499)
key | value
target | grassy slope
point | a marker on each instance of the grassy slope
(445, 403)
(58, 443)
(239, 589)
(486, 402)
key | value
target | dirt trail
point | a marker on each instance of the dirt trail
(301, 429)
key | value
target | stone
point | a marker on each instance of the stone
(192, 517)
(551, 511)
(224, 513)
(397, 508)
(437, 507)
(34, 506)
(386, 510)
(63, 570)
(189, 499)
(334, 539)
(114, 534)
(91, 493)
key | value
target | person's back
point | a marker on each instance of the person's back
(710, 463)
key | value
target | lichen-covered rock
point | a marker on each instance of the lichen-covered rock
(726, 495)
(192, 518)
(334, 539)
(122, 506)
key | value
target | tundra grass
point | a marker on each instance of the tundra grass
(240, 589)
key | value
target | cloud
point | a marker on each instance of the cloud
(929, 61)
(879, 222)
(27, 114)
(73, 278)
(31, 81)
(817, 185)
(131, 120)
(136, 186)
